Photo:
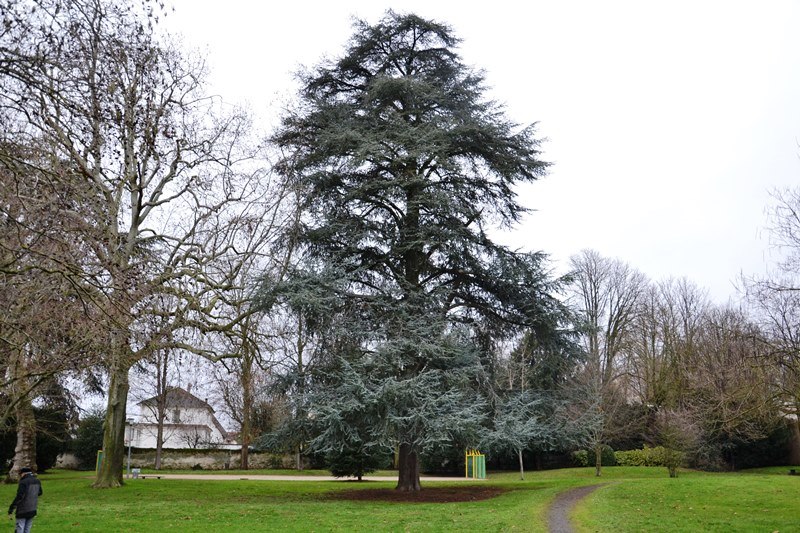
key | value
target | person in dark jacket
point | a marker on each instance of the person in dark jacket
(28, 492)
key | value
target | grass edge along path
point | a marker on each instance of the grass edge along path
(560, 510)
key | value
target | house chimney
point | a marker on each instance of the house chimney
(189, 388)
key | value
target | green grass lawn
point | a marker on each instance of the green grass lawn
(251, 472)
(262, 471)
(760, 500)
(637, 499)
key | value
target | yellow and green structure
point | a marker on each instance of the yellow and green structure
(474, 464)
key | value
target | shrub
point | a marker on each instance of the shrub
(588, 457)
(580, 458)
(645, 456)
(606, 457)
(275, 461)
(356, 463)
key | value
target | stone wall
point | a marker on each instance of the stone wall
(207, 460)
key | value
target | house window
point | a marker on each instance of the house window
(176, 416)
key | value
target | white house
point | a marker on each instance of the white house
(189, 424)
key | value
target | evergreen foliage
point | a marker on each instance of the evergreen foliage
(404, 166)
(521, 420)
(542, 421)
(89, 439)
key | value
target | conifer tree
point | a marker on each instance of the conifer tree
(405, 166)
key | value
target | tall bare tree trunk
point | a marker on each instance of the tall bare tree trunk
(110, 474)
(25, 450)
(247, 402)
(159, 443)
(244, 458)
(408, 469)
(162, 384)
(521, 466)
(598, 459)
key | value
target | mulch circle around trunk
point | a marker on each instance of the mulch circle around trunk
(468, 493)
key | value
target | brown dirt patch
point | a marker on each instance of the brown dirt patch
(469, 493)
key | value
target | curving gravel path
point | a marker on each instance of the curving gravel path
(558, 515)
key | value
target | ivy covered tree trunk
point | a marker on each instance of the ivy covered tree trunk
(408, 469)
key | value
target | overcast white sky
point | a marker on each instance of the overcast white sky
(667, 122)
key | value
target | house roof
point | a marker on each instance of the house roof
(177, 397)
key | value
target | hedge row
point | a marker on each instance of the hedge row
(647, 456)
(587, 457)
(657, 456)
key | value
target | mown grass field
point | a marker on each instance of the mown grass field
(635, 499)
(767, 501)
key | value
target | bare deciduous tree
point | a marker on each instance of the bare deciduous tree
(606, 294)
(679, 433)
(157, 171)
(46, 328)
(776, 301)
(665, 335)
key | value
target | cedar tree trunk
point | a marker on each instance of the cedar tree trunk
(408, 469)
